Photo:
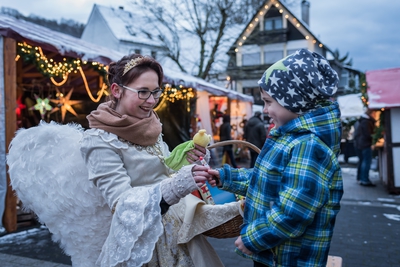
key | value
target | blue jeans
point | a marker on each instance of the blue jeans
(364, 164)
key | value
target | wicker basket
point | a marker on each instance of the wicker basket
(226, 230)
(230, 228)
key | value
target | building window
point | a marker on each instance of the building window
(271, 57)
(251, 59)
(138, 51)
(291, 51)
(154, 54)
(344, 79)
(273, 24)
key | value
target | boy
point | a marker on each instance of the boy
(293, 191)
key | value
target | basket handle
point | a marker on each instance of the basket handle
(231, 142)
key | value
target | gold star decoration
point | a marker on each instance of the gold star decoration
(42, 105)
(65, 104)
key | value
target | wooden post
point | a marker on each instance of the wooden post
(10, 98)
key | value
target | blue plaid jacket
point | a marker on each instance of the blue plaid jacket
(293, 191)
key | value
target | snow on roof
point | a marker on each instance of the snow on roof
(293, 12)
(127, 25)
(383, 88)
(64, 44)
(67, 45)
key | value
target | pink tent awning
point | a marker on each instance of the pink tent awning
(383, 88)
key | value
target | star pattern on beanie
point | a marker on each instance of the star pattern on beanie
(300, 80)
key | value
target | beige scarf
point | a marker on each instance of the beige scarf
(142, 132)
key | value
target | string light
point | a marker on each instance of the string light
(251, 27)
(53, 69)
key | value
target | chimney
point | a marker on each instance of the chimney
(305, 11)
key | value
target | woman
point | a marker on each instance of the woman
(118, 203)
(124, 153)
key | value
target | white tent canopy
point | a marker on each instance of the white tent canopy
(351, 105)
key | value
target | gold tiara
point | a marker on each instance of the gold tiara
(131, 64)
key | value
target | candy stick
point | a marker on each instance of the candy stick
(204, 191)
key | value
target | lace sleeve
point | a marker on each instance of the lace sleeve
(135, 228)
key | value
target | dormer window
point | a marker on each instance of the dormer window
(274, 23)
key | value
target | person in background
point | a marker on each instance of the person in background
(363, 132)
(224, 135)
(255, 133)
(293, 192)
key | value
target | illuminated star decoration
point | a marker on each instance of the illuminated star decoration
(65, 104)
(42, 105)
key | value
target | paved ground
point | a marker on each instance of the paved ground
(367, 233)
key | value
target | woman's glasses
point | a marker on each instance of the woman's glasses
(144, 94)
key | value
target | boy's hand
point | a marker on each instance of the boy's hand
(214, 180)
(239, 244)
(200, 175)
(194, 154)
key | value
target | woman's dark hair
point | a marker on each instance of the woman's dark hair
(116, 70)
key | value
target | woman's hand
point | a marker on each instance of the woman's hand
(214, 179)
(200, 174)
(239, 244)
(194, 154)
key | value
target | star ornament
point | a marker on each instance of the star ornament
(42, 105)
(65, 104)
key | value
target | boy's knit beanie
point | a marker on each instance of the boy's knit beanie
(299, 81)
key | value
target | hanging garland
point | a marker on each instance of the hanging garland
(172, 94)
(52, 69)
(379, 130)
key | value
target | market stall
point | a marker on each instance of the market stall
(47, 75)
(384, 94)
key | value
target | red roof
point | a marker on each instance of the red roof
(383, 88)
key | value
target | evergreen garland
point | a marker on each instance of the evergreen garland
(379, 130)
(49, 67)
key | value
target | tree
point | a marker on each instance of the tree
(343, 59)
(195, 34)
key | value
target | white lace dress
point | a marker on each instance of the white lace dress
(128, 177)
(50, 177)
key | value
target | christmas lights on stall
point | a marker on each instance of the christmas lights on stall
(54, 70)
(173, 94)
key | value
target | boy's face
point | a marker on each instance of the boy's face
(275, 111)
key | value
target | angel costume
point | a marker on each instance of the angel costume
(104, 208)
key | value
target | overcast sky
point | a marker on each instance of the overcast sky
(369, 30)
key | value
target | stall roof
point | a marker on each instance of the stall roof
(383, 88)
(350, 105)
(64, 44)
(187, 80)
(67, 45)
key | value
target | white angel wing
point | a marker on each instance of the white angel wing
(50, 178)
